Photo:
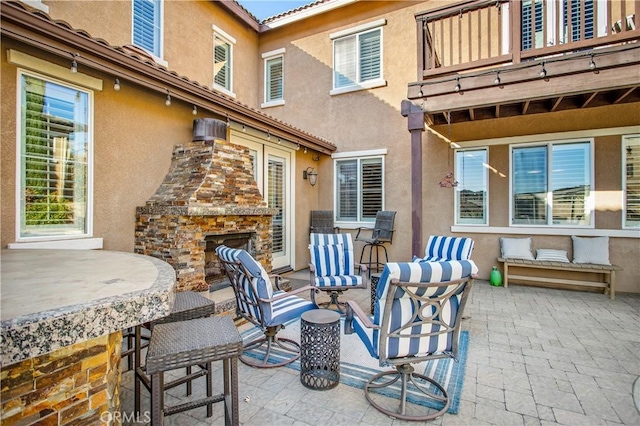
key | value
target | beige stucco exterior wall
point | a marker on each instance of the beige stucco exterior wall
(370, 119)
(356, 121)
(187, 37)
(131, 157)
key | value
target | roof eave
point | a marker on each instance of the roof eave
(38, 30)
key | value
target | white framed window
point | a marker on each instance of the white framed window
(359, 188)
(631, 180)
(223, 61)
(472, 192)
(273, 78)
(147, 26)
(357, 58)
(552, 184)
(54, 190)
(544, 15)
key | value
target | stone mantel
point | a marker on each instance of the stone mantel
(202, 210)
(56, 298)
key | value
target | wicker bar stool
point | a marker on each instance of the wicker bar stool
(187, 305)
(195, 342)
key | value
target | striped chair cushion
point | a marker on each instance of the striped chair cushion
(440, 248)
(402, 308)
(257, 276)
(335, 239)
(286, 309)
(339, 281)
(328, 260)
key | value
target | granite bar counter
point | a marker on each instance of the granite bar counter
(62, 316)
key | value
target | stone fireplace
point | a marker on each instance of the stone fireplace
(209, 196)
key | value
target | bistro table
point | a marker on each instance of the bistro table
(62, 315)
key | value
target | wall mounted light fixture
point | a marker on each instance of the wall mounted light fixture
(74, 63)
(311, 175)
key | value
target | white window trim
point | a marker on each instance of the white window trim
(370, 84)
(590, 203)
(157, 59)
(544, 137)
(486, 177)
(546, 230)
(36, 4)
(266, 57)
(279, 102)
(272, 53)
(220, 33)
(357, 155)
(58, 240)
(623, 166)
(358, 29)
(40, 66)
(360, 154)
(68, 244)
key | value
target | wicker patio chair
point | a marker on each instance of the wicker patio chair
(322, 222)
(381, 234)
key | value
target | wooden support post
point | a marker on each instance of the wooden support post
(415, 117)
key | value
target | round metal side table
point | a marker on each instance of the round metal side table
(374, 289)
(320, 349)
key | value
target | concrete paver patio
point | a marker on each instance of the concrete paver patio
(536, 356)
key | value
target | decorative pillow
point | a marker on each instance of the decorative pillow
(591, 250)
(516, 248)
(328, 260)
(552, 255)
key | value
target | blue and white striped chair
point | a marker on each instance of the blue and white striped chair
(332, 266)
(257, 302)
(440, 248)
(417, 317)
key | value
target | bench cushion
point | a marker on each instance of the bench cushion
(552, 255)
(516, 248)
(591, 250)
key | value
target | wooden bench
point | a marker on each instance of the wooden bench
(605, 273)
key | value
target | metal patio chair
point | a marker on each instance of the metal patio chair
(332, 267)
(440, 248)
(268, 309)
(381, 234)
(322, 222)
(417, 318)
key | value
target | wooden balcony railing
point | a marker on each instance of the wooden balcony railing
(483, 33)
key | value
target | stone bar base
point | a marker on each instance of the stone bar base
(78, 384)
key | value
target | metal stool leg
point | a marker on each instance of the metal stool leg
(231, 407)
(137, 369)
(157, 399)
(209, 388)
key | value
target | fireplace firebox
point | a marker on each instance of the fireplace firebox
(214, 273)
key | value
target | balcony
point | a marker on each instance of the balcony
(474, 47)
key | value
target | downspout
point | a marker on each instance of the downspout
(415, 125)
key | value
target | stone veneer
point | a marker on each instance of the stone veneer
(78, 384)
(209, 189)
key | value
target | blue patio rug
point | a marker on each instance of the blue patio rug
(357, 366)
